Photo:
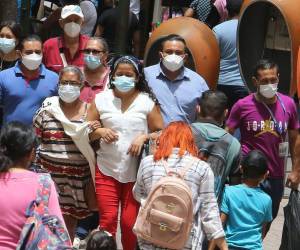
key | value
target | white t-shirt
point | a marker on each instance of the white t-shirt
(112, 159)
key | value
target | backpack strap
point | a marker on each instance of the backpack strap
(42, 195)
(44, 189)
(182, 172)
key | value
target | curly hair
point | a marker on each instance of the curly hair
(142, 84)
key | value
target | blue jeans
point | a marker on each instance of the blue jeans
(86, 225)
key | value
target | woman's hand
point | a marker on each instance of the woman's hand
(137, 145)
(93, 125)
(108, 135)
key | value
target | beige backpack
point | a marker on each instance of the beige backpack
(166, 217)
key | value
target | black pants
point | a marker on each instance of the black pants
(233, 93)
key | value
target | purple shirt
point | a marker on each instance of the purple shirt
(258, 128)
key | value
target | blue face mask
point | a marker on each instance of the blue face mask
(92, 62)
(7, 45)
(124, 83)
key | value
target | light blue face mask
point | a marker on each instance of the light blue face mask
(124, 83)
(7, 45)
(92, 62)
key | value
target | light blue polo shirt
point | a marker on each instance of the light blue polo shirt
(178, 98)
(247, 209)
(21, 99)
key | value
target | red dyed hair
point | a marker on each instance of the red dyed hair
(175, 135)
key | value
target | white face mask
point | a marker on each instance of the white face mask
(268, 90)
(173, 62)
(72, 29)
(68, 93)
(32, 61)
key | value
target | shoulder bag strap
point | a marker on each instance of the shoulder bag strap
(61, 53)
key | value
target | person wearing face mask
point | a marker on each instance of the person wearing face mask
(65, 151)
(68, 48)
(130, 116)
(264, 119)
(96, 71)
(177, 88)
(10, 36)
(25, 86)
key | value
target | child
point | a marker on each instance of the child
(245, 208)
(101, 240)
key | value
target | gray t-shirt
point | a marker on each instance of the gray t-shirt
(90, 17)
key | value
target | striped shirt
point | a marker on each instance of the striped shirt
(201, 181)
(59, 156)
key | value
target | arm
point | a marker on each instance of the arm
(264, 230)
(107, 134)
(139, 191)
(234, 120)
(297, 151)
(99, 31)
(189, 12)
(292, 134)
(209, 211)
(155, 123)
(220, 241)
(293, 178)
(230, 130)
(235, 174)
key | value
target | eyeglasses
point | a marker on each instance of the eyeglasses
(28, 52)
(93, 51)
(72, 83)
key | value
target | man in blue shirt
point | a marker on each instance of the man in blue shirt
(177, 88)
(25, 86)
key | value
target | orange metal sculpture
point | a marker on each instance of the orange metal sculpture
(270, 29)
(201, 43)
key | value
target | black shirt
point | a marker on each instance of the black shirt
(108, 21)
(6, 64)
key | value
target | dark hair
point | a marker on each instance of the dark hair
(30, 38)
(16, 141)
(264, 64)
(142, 84)
(213, 104)
(68, 2)
(173, 37)
(254, 165)
(102, 41)
(15, 28)
(233, 7)
(101, 240)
